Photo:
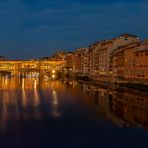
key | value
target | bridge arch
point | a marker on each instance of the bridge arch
(5, 73)
(32, 73)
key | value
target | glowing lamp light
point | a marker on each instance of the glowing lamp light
(53, 71)
(53, 76)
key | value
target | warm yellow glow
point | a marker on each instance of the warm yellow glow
(55, 105)
(53, 76)
(26, 66)
(53, 71)
(35, 84)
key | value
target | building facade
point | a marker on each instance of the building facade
(130, 63)
(80, 61)
(123, 63)
(141, 63)
(100, 56)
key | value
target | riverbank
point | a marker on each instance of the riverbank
(136, 86)
(105, 84)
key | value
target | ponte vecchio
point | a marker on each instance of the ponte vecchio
(22, 67)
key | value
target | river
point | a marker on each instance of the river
(38, 113)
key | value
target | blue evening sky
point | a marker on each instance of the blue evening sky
(37, 28)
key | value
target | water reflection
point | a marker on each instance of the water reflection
(124, 107)
(54, 105)
(131, 106)
(27, 99)
(32, 98)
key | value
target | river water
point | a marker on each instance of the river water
(67, 114)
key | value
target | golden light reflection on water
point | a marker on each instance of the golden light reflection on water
(24, 99)
(29, 98)
(54, 105)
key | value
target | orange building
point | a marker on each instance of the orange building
(100, 56)
(123, 63)
(130, 63)
(78, 61)
(68, 60)
(141, 63)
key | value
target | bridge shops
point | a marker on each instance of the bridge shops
(30, 68)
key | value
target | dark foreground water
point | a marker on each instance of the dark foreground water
(67, 114)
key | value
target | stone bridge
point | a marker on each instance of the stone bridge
(23, 67)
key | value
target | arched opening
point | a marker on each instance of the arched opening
(53, 74)
(5, 73)
(31, 73)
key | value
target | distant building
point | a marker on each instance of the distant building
(2, 58)
(59, 55)
(141, 63)
(122, 60)
(79, 60)
(69, 61)
(86, 63)
(100, 55)
(130, 63)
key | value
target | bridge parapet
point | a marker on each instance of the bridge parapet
(31, 65)
(7, 66)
